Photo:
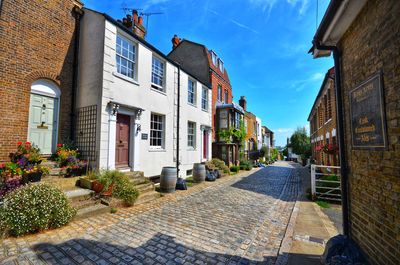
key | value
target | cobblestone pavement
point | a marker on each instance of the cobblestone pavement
(242, 220)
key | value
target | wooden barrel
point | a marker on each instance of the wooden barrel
(199, 172)
(168, 179)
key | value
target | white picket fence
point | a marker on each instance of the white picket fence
(320, 188)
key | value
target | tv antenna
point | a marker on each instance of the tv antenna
(148, 14)
(130, 10)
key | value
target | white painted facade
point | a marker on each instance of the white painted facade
(100, 84)
(259, 133)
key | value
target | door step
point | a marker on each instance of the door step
(147, 197)
(92, 211)
(79, 195)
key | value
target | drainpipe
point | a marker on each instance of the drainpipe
(178, 114)
(78, 14)
(340, 128)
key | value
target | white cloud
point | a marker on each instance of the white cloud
(299, 85)
(233, 21)
(268, 5)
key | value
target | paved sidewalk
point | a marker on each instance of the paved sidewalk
(308, 231)
(236, 220)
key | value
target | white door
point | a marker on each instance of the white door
(43, 115)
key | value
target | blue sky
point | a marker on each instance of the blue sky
(263, 43)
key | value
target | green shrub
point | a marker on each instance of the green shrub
(245, 165)
(122, 188)
(34, 208)
(218, 163)
(235, 169)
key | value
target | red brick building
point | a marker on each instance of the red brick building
(37, 55)
(205, 65)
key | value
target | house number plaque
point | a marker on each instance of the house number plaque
(367, 114)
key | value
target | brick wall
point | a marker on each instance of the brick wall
(36, 41)
(215, 80)
(326, 126)
(371, 44)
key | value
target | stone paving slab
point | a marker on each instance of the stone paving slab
(238, 220)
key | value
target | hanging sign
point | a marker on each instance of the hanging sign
(367, 114)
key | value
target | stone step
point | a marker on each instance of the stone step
(138, 181)
(145, 187)
(91, 211)
(79, 195)
(147, 197)
(49, 163)
(135, 174)
(85, 204)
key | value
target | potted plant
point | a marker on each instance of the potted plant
(86, 182)
(34, 173)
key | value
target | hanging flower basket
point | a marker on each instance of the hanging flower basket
(330, 149)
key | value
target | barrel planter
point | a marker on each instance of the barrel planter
(168, 179)
(199, 172)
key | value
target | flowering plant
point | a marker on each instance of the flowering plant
(66, 155)
(330, 149)
(10, 185)
(318, 148)
(26, 154)
(77, 168)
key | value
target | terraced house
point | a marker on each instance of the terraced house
(37, 72)
(323, 126)
(132, 99)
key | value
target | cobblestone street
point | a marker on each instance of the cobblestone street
(240, 221)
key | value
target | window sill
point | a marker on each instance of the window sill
(157, 150)
(128, 79)
(191, 104)
(191, 149)
(158, 91)
(205, 110)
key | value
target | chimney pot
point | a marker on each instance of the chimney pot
(243, 102)
(175, 41)
(140, 20)
(135, 16)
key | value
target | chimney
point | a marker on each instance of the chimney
(243, 102)
(135, 24)
(175, 41)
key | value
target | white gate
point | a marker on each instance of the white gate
(325, 183)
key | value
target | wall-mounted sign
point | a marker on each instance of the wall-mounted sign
(145, 136)
(367, 114)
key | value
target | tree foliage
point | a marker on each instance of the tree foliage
(300, 142)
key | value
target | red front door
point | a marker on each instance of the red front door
(205, 144)
(122, 141)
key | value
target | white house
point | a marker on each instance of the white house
(258, 133)
(131, 89)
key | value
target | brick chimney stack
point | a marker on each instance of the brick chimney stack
(243, 102)
(175, 41)
(135, 24)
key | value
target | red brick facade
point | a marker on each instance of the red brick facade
(218, 79)
(37, 42)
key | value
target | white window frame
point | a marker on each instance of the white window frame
(158, 74)
(191, 94)
(155, 127)
(219, 95)
(204, 98)
(214, 58)
(131, 49)
(221, 65)
(191, 135)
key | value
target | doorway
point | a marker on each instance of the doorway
(122, 141)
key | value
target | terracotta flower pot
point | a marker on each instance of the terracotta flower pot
(97, 186)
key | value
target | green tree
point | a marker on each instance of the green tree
(300, 142)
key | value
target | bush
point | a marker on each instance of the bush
(245, 165)
(34, 208)
(234, 169)
(122, 188)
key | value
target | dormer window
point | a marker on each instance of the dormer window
(221, 65)
(214, 58)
